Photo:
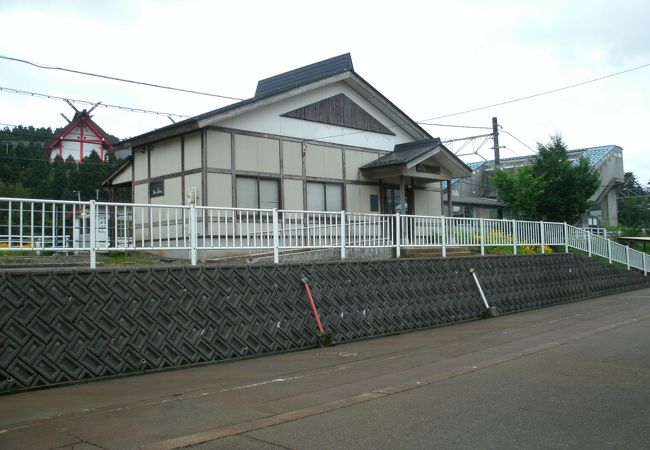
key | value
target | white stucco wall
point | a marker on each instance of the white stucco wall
(257, 154)
(324, 162)
(293, 194)
(354, 160)
(268, 119)
(192, 151)
(292, 157)
(219, 190)
(141, 193)
(166, 157)
(173, 193)
(123, 177)
(358, 197)
(218, 148)
(140, 164)
(427, 202)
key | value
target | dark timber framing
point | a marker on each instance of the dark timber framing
(339, 110)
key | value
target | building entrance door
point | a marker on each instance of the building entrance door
(393, 204)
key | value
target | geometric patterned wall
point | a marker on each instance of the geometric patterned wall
(64, 325)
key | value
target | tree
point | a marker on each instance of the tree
(633, 203)
(520, 190)
(551, 188)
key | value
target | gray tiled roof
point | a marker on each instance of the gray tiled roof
(304, 75)
(404, 153)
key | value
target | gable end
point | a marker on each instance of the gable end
(339, 110)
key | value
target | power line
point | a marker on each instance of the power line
(454, 126)
(519, 140)
(539, 94)
(86, 102)
(124, 80)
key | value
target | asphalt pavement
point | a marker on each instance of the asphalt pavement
(573, 376)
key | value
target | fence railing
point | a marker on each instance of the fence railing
(61, 226)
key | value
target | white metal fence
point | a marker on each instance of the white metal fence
(60, 226)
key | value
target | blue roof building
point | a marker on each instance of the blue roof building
(475, 196)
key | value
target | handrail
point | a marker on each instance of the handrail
(62, 226)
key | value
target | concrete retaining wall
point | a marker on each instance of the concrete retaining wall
(60, 326)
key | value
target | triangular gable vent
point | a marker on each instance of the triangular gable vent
(339, 110)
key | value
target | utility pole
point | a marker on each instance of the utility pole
(495, 138)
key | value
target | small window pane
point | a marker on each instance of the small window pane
(334, 197)
(315, 197)
(157, 188)
(269, 194)
(247, 193)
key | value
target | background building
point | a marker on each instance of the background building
(475, 195)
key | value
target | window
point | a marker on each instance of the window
(257, 193)
(374, 203)
(157, 189)
(324, 197)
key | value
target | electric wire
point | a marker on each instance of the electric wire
(87, 102)
(454, 126)
(420, 122)
(539, 94)
(519, 140)
(123, 80)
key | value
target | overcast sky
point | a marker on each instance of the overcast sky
(430, 58)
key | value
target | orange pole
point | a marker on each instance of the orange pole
(313, 306)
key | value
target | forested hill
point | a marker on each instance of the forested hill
(26, 172)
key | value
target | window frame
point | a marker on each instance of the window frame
(152, 184)
(325, 184)
(257, 180)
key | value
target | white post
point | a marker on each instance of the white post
(566, 238)
(609, 250)
(276, 237)
(444, 237)
(485, 302)
(193, 228)
(514, 236)
(589, 243)
(398, 233)
(343, 234)
(627, 256)
(542, 238)
(482, 231)
(93, 236)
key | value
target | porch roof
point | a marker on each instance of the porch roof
(407, 156)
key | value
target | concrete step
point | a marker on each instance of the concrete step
(437, 252)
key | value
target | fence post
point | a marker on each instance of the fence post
(444, 237)
(609, 250)
(276, 237)
(482, 236)
(398, 235)
(343, 234)
(542, 238)
(588, 243)
(193, 230)
(514, 236)
(627, 256)
(93, 236)
(566, 238)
